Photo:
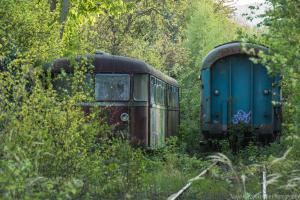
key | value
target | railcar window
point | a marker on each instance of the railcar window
(173, 96)
(62, 83)
(112, 87)
(163, 94)
(88, 85)
(158, 91)
(140, 87)
(153, 90)
(176, 95)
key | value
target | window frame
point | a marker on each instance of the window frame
(173, 96)
(159, 93)
(147, 87)
(106, 73)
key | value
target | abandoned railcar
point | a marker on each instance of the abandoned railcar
(143, 103)
(235, 90)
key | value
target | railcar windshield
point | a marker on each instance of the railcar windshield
(112, 87)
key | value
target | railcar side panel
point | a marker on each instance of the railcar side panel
(262, 108)
(173, 110)
(205, 98)
(157, 127)
(173, 121)
(158, 112)
(219, 95)
(139, 125)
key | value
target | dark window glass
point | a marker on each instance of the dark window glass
(176, 96)
(158, 92)
(153, 89)
(173, 96)
(112, 87)
(140, 88)
(163, 94)
(88, 85)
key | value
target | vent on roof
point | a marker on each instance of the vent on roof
(227, 43)
(98, 52)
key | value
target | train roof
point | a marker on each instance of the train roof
(232, 48)
(106, 63)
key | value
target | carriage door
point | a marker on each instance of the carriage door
(220, 93)
(157, 112)
(262, 108)
(241, 91)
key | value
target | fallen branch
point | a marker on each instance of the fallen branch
(180, 192)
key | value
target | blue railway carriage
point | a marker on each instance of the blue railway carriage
(235, 90)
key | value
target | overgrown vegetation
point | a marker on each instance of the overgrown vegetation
(49, 150)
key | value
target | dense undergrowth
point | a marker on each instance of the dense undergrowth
(50, 150)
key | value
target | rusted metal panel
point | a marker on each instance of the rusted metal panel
(135, 129)
(139, 126)
(221, 130)
(173, 122)
(215, 129)
(264, 129)
(112, 116)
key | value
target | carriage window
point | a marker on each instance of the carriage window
(140, 88)
(173, 96)
(153, 90)
(162, 99)
(88, 85)
(62, 83)
(158, 91)
(112, 87)
(176, 96)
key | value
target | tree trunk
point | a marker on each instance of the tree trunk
(64, 14)
(52, 5)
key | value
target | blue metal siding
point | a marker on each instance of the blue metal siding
(262, 102)
(238, 92)
(220, 92)
(241, 86)
(205, 77)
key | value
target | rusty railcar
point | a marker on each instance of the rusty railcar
(143, 103)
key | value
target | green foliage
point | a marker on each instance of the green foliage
(50, 150)
(209, 189)
(147, 30)
(240, 135)
(281, 35)
(203, 33)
